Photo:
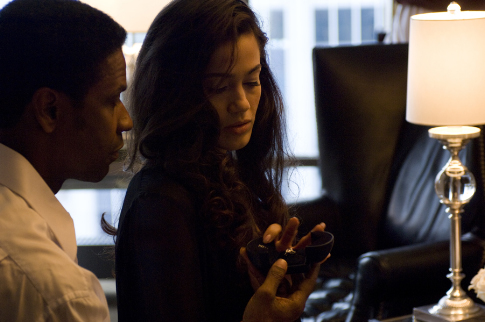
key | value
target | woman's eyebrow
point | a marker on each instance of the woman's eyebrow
(255, 69)
(225, 75)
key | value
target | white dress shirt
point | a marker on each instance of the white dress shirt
(40, 279)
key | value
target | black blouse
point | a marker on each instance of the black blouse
(166, 270)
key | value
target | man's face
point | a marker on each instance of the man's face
(94, 136)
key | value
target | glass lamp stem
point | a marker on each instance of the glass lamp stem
(455, 186)
(456, 276)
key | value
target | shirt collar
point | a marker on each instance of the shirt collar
(17, 174)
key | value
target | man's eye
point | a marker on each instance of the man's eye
(253, 84)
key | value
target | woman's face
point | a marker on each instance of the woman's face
(235, 95)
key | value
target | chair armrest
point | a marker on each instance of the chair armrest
(391, 282)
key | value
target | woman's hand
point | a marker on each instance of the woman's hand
(288, 236)
(282, 244)
(266, 306)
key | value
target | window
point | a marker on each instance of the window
(344, 26)
(368, 32)
(86, 207)
(294, 28)
(321, 26)
(276, 24)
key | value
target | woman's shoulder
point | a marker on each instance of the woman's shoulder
(155, 178)
(155, 183)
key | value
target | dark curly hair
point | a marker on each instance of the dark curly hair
(176, 128)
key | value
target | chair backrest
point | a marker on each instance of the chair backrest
(360, 98)
(377, 167)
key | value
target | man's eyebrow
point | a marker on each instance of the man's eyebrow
(254, 69)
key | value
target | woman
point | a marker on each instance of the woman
(208, 133)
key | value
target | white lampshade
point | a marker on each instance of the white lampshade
(133, 15)
(446, 72)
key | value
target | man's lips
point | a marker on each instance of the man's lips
(115, 154)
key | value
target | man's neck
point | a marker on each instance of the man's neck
(38, 157)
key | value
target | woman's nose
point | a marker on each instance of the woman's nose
(239, 101)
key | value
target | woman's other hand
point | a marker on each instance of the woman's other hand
(266, 306)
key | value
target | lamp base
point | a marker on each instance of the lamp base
(422, 314)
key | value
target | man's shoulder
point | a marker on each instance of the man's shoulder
(17, 291)
(45, 284)
(10, 200)
(3, 254)
(43, 264)
(30, 255)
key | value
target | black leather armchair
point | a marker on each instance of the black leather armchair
(391, 232)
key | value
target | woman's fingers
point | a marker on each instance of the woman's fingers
(307, 239)
(271, 233)
(289, 234)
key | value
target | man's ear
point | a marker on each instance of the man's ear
(45, 104)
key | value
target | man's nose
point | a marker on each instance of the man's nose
(125, 122)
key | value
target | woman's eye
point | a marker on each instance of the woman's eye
(254, 84)
(213, 88)
(219, 90)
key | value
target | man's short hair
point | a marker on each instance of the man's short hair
(58, 44)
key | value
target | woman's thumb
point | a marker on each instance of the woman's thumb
(275, 275)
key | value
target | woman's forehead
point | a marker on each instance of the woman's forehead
(225, 57)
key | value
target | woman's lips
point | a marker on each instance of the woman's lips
(239, 128)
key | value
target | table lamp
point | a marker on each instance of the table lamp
(446, 88)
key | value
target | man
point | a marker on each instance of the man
(61, 75)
